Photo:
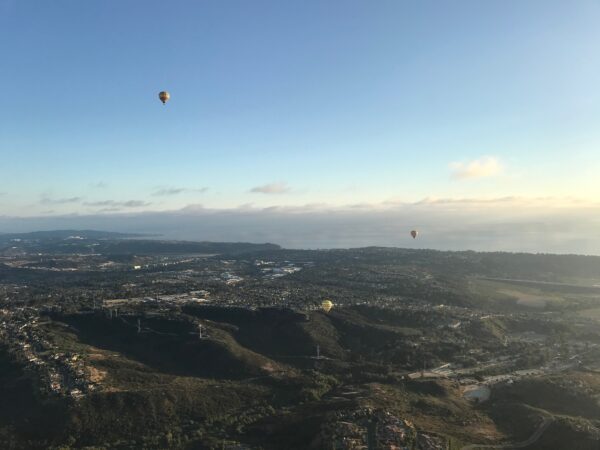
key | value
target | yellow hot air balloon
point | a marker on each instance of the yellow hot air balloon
(164, 96)
(414, 234)
(326, 305)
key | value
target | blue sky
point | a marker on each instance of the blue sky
(295, 103)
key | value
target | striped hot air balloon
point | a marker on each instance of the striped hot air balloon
(164, 96)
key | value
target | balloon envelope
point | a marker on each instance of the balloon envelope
(164, 96)
(414, 234)
(326, 305)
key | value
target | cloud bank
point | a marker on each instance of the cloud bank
(540, 225)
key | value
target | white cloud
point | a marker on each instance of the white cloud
(272, 188)
(116, 204)
(169, 191)
(486, 166)
(59, 201)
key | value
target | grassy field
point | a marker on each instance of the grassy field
(518, 295)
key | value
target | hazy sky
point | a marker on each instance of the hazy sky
(331, 104)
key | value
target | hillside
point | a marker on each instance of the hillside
(183, 349)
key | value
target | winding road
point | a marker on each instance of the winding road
(546, 421)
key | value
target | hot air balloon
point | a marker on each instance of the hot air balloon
(414, 234)
(326, 305)
(164, 96)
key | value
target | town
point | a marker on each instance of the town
(418, 351)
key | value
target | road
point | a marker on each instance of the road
(546, 421)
